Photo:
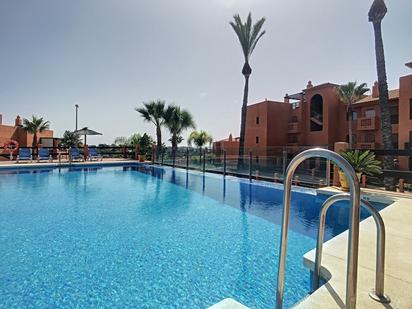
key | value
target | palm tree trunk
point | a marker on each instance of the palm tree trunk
(174, 148)
(243, 122)
(34, 143)
(386, 127)
(159, 140)
(350, 127)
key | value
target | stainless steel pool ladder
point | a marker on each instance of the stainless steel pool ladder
(354, 218)
(377, 294)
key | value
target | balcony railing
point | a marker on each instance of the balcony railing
(293, 127)
(367, 123)
(366, 145)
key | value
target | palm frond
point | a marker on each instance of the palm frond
(248, 33)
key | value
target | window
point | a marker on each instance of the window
(316, 113)
(257, 120)
(369, 113)
(354, 115)
(370, 138)
(394, 114)
(354, 138)
(410, 108)
(257, 139)
(292, 139)
(394, 139)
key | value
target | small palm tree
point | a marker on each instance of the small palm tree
(177, 120)
(349, 94)
(70, 139)
(248, 35)
(35, 126)
(154, 111)
(376, 14)
(363, 161)
(199, 138)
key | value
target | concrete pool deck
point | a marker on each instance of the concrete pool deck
(398, 265)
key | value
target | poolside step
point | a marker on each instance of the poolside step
(228, 303)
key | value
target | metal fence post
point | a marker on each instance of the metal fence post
(187, 158)
(250, 165)
(204, 160)
(224, 162)
(328, 173)
(285, 163)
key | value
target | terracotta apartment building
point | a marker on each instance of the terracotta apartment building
(17, 133)
(315, 116)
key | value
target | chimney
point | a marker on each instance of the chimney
(286, 98)
(18, 122)
(309, 85)
(375, 90)
(1, 119)
(230, 137)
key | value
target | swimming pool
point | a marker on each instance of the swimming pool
(149, 237)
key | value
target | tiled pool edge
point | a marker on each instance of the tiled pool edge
(398, 276)
(36, 165)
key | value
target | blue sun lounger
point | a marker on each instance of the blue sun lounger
(94, 154)
(24, 155)
(44, 154)
(74, 154)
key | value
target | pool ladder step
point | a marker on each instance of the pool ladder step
(353, 233)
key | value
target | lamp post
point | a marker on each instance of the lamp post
(77, 112)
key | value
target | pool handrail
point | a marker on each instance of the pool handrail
(378, 294)
(354, 218)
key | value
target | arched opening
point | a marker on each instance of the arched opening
(316, 113)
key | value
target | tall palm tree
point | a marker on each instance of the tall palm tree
(350, 93)
(199, 138)
(248, 35)
(35, 126)
(177, 120)
(376, 13)
(154, 111)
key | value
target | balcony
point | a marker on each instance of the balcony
(293, 127)
(367, 123)
(366, 145)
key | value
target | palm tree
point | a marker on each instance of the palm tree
(199, 138)
(248, 36)
(376, 13)
(34, 126)
(154, 111)
(70, 139)
(177, 121)
(121, 141)
(349, 94)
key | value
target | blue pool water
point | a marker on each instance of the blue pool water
(145, 237)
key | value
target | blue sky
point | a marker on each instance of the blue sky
(109, 56)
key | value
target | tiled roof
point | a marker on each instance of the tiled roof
(393, 94)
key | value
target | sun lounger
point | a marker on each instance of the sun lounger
(94, 155)
(44, 154)
(74, 154)
(24, 155)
